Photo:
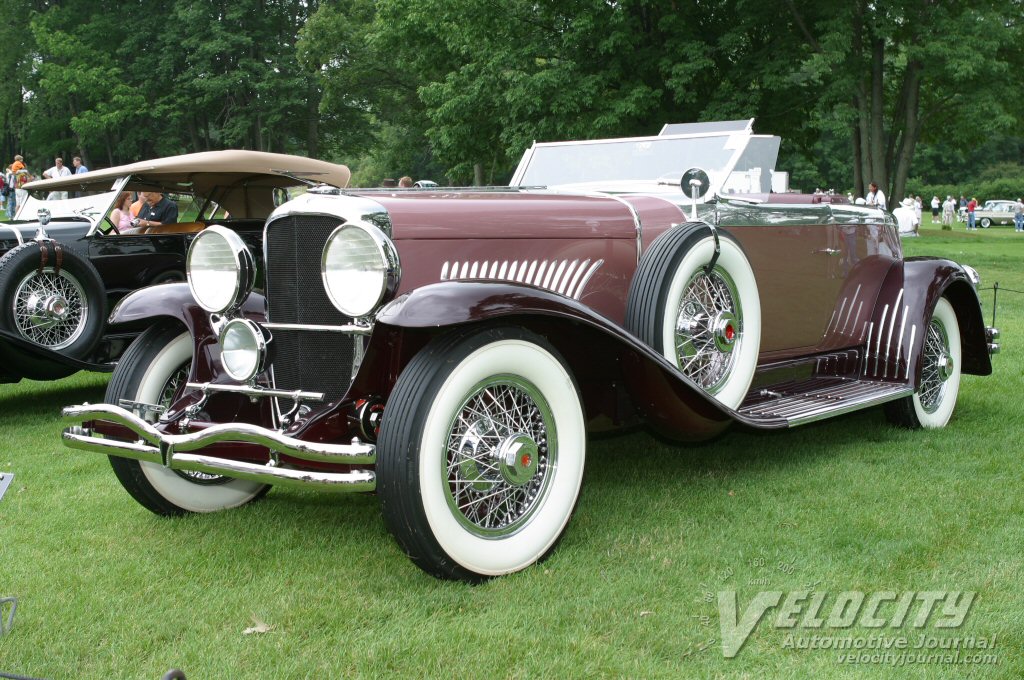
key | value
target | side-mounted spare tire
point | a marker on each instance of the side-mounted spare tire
(706, 323)
(52, 297)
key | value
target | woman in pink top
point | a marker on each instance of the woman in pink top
(121, 215)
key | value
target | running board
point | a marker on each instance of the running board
(806, 401)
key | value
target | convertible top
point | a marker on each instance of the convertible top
(225, 176)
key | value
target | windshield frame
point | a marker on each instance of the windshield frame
(735, 144)
(37, 204)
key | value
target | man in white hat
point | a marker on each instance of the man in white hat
(906, 217)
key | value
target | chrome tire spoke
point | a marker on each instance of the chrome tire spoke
(482, 494)
(699, 356)
(936, 349)
(50, 308)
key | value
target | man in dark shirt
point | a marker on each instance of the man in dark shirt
(157, 210)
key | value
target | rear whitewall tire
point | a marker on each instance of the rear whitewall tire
(932, 404)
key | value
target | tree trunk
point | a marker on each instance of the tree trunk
(876, 142)
(313, 121)
(78, 138)
(110, 149)
(478, 174)
(910, 106)
(193, 134)
(858, 174)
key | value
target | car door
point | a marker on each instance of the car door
(815, 268)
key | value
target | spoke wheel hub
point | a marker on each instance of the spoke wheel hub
(499, 457)
(46, 312)
(709, 328)
(517, 459)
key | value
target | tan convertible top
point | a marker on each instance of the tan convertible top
(239, 181)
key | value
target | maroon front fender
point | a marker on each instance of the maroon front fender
(175, 300)
(621, 379)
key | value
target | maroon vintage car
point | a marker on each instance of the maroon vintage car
(451, 349)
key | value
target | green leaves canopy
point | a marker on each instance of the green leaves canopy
(462, 87)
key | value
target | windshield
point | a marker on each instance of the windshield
(736, 161)
(629, 160)
(86, 205)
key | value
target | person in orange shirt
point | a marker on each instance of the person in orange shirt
(18, 164)
(137, 205)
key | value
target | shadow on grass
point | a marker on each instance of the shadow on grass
(737, 450)
(48, 401)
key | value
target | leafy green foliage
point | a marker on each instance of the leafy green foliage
(460, 88)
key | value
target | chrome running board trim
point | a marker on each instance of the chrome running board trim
(812, 400)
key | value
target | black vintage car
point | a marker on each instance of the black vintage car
(65, 264)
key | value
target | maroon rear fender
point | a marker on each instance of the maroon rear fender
(931, 278)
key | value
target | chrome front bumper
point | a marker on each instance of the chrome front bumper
(172, 450)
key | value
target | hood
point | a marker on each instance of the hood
(503, 214)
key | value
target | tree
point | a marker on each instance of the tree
(889, 78)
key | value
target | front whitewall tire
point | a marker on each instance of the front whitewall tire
(441, 398)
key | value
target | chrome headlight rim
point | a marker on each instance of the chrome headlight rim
(259, 341)
(244, 265)
(392, 271)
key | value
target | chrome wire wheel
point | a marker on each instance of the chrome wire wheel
(502, 448)
(50, 308)
(938, 383)
(937, 365)
(170, 390)
(709, 328)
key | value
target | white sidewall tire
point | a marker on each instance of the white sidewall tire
(735, 263)
(946, 315)
(496, 556)
(168, 484)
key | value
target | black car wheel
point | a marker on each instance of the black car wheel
(986, 222)
(52, 297)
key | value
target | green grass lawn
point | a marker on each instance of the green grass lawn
(106, 589)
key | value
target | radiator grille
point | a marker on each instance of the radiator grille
(303, 359)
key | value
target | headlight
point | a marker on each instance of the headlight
(359, 267)
(221, 270)
(242, 349)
